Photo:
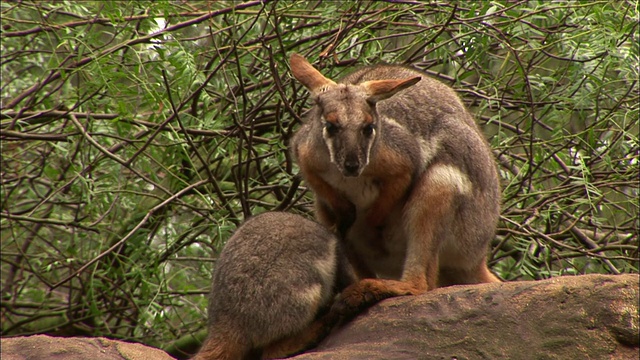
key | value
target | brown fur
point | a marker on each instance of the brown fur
(304, 339)
(274, 278)
(403, 174)
(393, 174)
(333, 206)
(223, 346)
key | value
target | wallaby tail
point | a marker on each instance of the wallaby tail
(220, 347)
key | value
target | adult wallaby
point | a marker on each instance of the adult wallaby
(273, 280)
(403, 174)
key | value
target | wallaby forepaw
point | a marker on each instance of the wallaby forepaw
(360, 296)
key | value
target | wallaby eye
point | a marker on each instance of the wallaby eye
(331, 128)
(367, 130)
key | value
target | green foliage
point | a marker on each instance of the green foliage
(137, 135)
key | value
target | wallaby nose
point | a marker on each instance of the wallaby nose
(351, 167)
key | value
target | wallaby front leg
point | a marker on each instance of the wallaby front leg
(368, 292)
(393, 184)
(332, 209)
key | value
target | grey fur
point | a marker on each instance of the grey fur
(273, 276)
(425, 125)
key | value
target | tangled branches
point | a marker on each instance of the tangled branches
(135, 137)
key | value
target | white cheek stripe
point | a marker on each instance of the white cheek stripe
(369, 146)
(327, 140)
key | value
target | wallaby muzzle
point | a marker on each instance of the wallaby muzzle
(351, 166)
(350, 152)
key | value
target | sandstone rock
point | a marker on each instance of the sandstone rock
(573, 317)
(58, 348)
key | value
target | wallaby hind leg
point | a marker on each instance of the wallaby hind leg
(334, 211)
(428, 212)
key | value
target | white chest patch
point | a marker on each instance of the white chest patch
(361, 190)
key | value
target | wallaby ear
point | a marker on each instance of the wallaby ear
(378, 90)
(307, 75)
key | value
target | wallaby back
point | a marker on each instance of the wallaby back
(402, 173)
(273, 276)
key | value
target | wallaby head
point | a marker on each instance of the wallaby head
(347, 112)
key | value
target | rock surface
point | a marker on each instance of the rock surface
(579, 317)
(58, 348)
(573, 317)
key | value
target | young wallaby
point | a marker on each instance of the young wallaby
(273, 278)
(403, 174)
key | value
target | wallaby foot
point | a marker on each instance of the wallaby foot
(365, 293)
(368, 292)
